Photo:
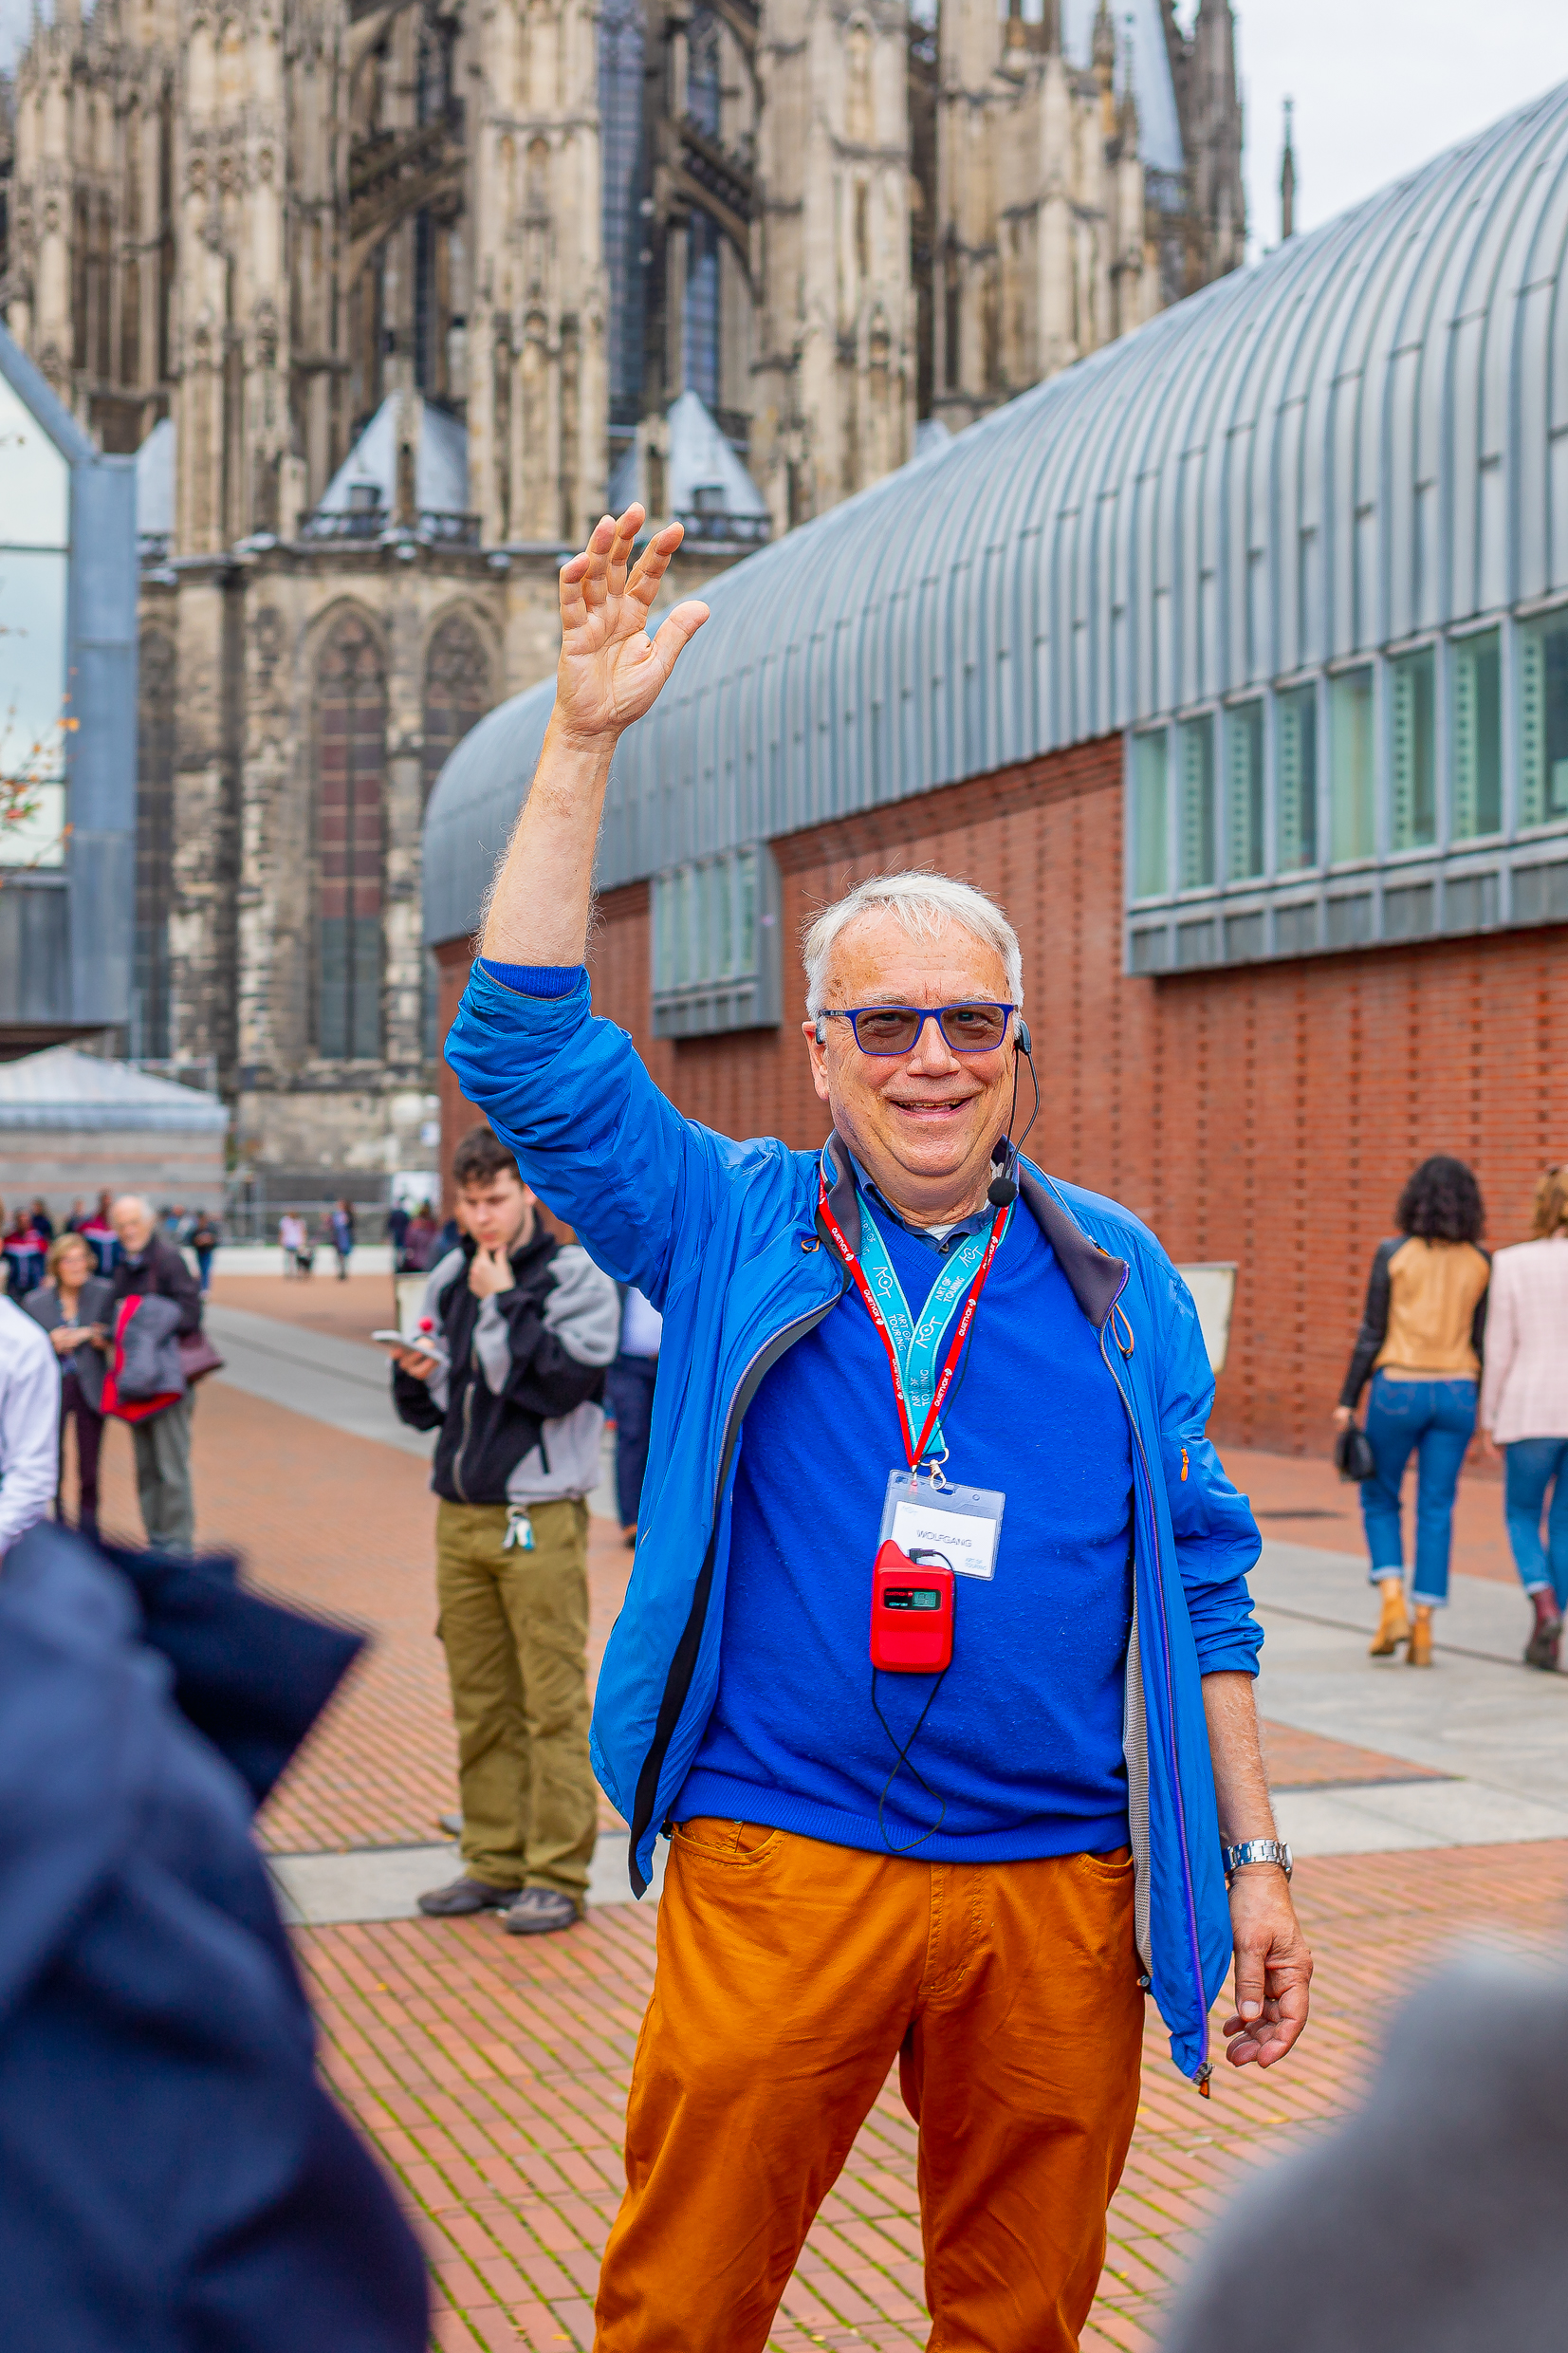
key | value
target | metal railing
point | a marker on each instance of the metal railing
(435, 525)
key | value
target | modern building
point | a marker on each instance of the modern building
(68, 692)
(384, 294)
(1234, 661)
(73, 1125)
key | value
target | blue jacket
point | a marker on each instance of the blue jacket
(724, 1238)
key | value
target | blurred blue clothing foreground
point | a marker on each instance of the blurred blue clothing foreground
(172, 2176)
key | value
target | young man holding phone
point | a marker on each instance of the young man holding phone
(520, 1330)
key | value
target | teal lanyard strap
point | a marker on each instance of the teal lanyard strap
(919, 1344)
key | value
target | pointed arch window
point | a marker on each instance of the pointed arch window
(458, 695)
(350, 842)
(458, 691)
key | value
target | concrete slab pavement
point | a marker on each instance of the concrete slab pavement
(1498, 1729)
(383, 1883)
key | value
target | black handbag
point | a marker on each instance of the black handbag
(1352, 1454)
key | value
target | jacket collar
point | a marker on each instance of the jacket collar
(843, 1195)
(540, 1244)
(1095, 1277)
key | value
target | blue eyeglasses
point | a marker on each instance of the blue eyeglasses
(893, 1030)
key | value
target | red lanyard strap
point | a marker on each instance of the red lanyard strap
(966, 1317)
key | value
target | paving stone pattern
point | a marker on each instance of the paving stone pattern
(491, 2072)
(492, 2076)
(346, 1528)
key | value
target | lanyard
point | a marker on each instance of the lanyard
(920, 1343)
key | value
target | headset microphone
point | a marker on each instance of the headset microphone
(1002, 1192)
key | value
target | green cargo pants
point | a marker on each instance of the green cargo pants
(515, 1628)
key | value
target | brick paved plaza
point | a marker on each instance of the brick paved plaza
(491, 2072)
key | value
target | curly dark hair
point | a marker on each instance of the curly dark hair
(1442, 1202)
(480, 1159)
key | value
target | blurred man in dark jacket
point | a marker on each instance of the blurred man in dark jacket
(149, 1267)
(520, 1330)
(173, 2176)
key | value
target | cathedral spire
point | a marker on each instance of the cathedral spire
(1127, 119)
(1288, 180)
(1105, 45)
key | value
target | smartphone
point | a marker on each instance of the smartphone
(423, 1343)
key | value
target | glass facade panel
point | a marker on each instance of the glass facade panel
(33, 711)
(1244, 792)
(1296, 778)
(705, 922)
(1543, 719)
(32, 662)
(1413, 812)
(1151, 857)
(1478, 734)
(35, 480)
(1352, 767)
(1195, 789)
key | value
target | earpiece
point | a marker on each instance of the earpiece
(1024, 1045)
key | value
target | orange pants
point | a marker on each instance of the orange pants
(790, 1975)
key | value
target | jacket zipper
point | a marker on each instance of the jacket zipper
(1204, 2069)
(644, 1798)
(813, 1316)
(468, 1422)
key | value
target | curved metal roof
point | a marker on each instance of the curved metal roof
(1363, 437)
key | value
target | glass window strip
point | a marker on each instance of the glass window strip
(1151, 860)
(1352, 767)
(1243, 817)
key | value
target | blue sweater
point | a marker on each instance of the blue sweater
(1023, 1738)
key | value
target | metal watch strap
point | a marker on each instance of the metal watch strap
(1257, 1850)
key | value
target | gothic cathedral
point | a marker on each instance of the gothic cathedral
(392, 297)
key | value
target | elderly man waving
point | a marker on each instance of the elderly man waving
(936, 1660)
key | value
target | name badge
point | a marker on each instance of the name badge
(961, 1523)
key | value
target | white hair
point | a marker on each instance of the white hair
(924, 904)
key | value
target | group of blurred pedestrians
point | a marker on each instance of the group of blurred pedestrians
(1451, 1340)
(299, 1246)
(107, 1332)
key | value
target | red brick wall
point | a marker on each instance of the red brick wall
(1269, 1115)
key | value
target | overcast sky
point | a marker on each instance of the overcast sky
(1379, 87)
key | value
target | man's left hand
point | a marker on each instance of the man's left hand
(1273, 1968)
(490, 1271)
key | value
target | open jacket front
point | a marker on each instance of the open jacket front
(723, 1237)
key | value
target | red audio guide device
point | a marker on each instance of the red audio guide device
(911, 1611)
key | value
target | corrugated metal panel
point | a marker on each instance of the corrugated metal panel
(1362, 438)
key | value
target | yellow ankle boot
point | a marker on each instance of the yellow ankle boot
(1420, 1652)
(1393, 1626)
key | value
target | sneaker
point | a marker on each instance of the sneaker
(462, 1896)
(539, 1911)
(1543, 1645)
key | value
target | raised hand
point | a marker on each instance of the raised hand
(611, 671)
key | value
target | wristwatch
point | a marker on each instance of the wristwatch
(1256, 1851)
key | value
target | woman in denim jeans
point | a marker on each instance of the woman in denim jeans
(1420, 1340)
(1524, 1408)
